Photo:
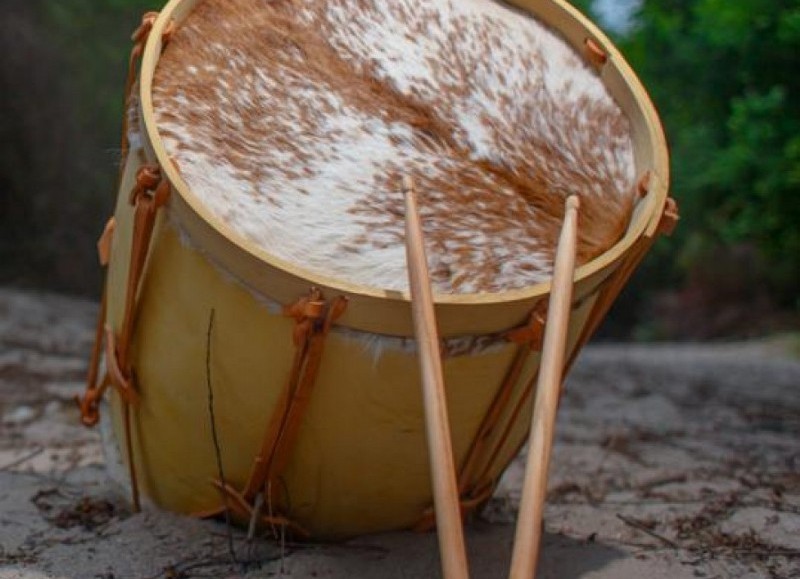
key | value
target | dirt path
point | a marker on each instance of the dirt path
(670, 462)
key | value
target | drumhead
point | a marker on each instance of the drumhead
(283, 276)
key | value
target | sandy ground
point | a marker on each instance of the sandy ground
(670, 462)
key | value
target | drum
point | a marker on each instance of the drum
(265, 366)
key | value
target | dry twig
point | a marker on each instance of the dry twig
(215, 437)
(643, 528)
(23, 459)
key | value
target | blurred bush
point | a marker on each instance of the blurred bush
(62, 67)
(724, 76)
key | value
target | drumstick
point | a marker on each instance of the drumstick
(548, 389)
(440, 449)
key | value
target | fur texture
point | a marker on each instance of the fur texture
(294, 121)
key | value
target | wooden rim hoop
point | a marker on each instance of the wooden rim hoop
(389, 312)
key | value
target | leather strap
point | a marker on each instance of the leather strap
(529, 338)
(150, 194)
(244, 512)
(94, 391)
(314, 319)
(88, 405)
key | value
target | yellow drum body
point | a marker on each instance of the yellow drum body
(359, 463)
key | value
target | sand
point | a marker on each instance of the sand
(671, 461)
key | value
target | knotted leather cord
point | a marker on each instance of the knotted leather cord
(150, 193)
(609, 291)
(314, 335)
(94, 390)
(314, 319)
(483, 483)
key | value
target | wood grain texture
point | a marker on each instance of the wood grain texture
(440, 446)
(529, 522)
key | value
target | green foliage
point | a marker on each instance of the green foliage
(584, 6)
(724, 75)
(62, 68)
(94, 38)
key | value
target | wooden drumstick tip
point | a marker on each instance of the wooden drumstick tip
(573, 203)
(408, 184)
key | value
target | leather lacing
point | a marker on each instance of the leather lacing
(150, 194)
(314, 318)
